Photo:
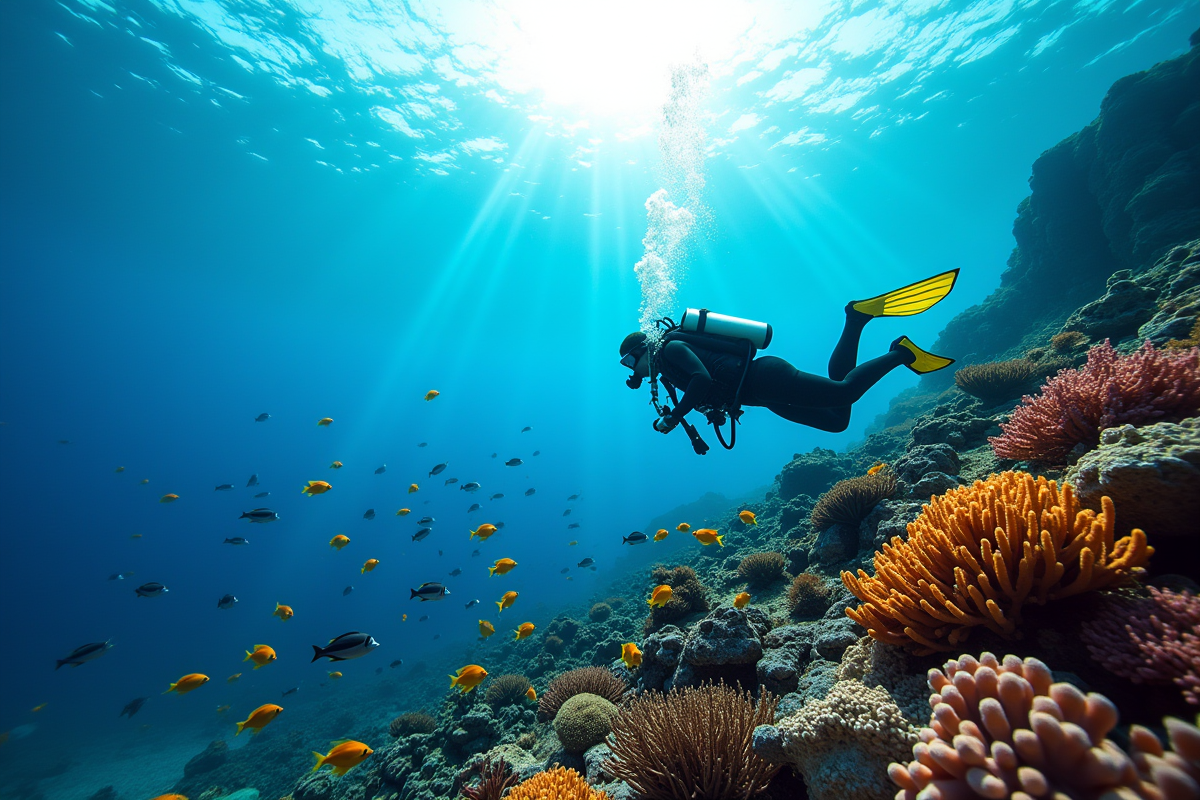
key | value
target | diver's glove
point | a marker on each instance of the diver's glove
(665, 424)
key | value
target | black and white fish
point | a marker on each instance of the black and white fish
(526, 429)
(472, 604)
(261, 495)
(493, 455)
(398, 662)
(537, 452)
(567, 513)
(151, 589)
(438, 469)
(119, 576)
(421, 535)
(474, 507)
(260, 515)
(470, 486)
(530, 492)
(431, 591)
(382, 468)
(564, 570)
(497, 496)
(573, 526)
(426, 521)
(587, 562)
(423, 444)
(224, 487)
(450, 481)
(237, 540)
(423, 618)
(573, 497)
(292, 690)
(636, 537)
(455, 572)
(369, 514)
(474, 553)
(262, 417)
(85, 653)
(253, 481)
(347, 590)
(227, 601)
(513, 462)
(345, 647)
(132, 707)
(500, 525)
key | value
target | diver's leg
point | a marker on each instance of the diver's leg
(845, 352)
(831, 420)
(772, 381)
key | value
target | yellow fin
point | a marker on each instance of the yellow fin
(911, 299)
(320, 760)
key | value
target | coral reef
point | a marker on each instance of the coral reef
(810, 474)
(978, 553)
(1067, 341)
(410, 723)
(556, 784)
(1153, 639)
(507, 690)
(587, 680)
(724, 645)
(1145, 386)
(692, 743)
(599, 612)
(554, 645)
(851, 500)
(495, 779)
(997, 381)
(760, 569)
(583, 721)
(688, 596)
(808, 596)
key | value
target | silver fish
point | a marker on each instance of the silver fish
(431, 591)
(260, 515)
(513, 462)
(470, 486)
(421, 535)
(84, 653)
(224, 487)
(426, 521)
(237, 540)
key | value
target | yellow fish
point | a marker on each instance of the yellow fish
(412, 487)
(263, 654)
(345, 756)
(531, 694)
(631, 655)
(503, 565)
(187, 683)
(404, 512)
(404, 617)
(572, 543)
(660, 596)
(486, 628)
(468, 677)
(507, 600)
(432, 393)
(233, 678)
(168, 498)
(259, 718)
(335, 675)
(879, 466)
(683, 527)
(324, 422)
(707, 536)
(38, 707)
(371, 563)
(483, 531)
(748, 517)
(283, 612)
(135, 536)
(336, 465)
(144, 481)
(661, 534)
(741, 600)
(525, 630)
(119, 469)
(313, 488)
(339, 541)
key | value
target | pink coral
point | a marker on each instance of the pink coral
(1145, 386)
(1153, 639)
(1004, 730)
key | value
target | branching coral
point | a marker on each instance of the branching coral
(1145, 386)
(998, 380)
(589, 680)
(808, 596)
(410, 723)
(1003, 729)
(1153, 639)
(762, 568)
(978, 553)
(843, 743)
(692, 743)
(495, 778)
(556, 784)
(688, 596)
(507, 690)
(851, 500)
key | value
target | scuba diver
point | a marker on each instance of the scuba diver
(711, 357)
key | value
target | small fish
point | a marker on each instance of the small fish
(144, 481)
(262, 417)
(224, 487)
(513, 462)
(572, 526)
(292, 690)
(335, 675)
(526, 429)
(369, 565)
(187, 683)
(661, 534)
(132, 707)
(345, 756)
(748, 517)
(404, 617)
(530, 492)
(369, 514)
(151, 589)
(412, 487)
(404, 512)
(507, 600)
(468, 677)
(471, 604)
(336, 465)
(347, 591)
(631, 655)
(84, 653)
(636, 537)
(119, 469)
(429, 592)
(398, 662)
(707, 536)
(741, 600)
(324, 422)
(237, 540)
(502, 566)
(168, 498)
(531, 694)
(262, 495)
(116, 576)
(38, 707)
(449, 481)
(683, 527)
(345, 647)
(877, 468)
(283, 612)
(259, 718)
(564, 570)
(422, 534)
(314, 488)
(497, 496)
(483, 531)
(260, 515)
(572, 543)
(438, 469)
(261, 655)
(470, 486)
(493, 455)
(455, 572)
(474, 553)
(660, 596)
(426, 520)
(223, 709)
(423, 618)
(474, 507)
(537, 452)
(423, 444)
(432, 393)
(587, 562)
(233, 678)
(253, 481)
(573, 497)
(382, 468)
(523, 631)
(339, 541)
(227, 601)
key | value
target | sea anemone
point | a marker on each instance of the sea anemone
(553, 644)
(1067, 341)
(588, 680)
(507, 690)
(808, 596)
(688, 596)
(600, 612)
(851, 500)
(410, 723)
(998, 380)
(761, 568)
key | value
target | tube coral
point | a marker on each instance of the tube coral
(556, 784)
(1153, 639)
(978, 553)
(1145, 386)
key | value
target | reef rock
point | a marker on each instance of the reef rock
(212, 757)
(1152, 475)
(958, 429)
(785, 653)
(660, 658)
(724, 645)
(811, 474)
(1124, 308)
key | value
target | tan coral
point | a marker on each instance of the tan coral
(556, 784)
(978, 553)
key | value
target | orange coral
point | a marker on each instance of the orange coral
(556, 784)
(978, 553)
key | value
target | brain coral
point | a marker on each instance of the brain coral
(978, 553)
(589, 680)
(583, 722)
(556, 784)
(843, 743)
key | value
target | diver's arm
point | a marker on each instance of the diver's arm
(683, 361)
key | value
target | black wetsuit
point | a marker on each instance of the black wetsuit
(710, 378)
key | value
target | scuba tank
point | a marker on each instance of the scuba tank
(703, 321)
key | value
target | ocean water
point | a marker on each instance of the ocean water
(214, 210)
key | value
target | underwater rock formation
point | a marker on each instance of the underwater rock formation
(724, 645)
(810, 474)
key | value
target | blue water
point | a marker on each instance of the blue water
(210, 210)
